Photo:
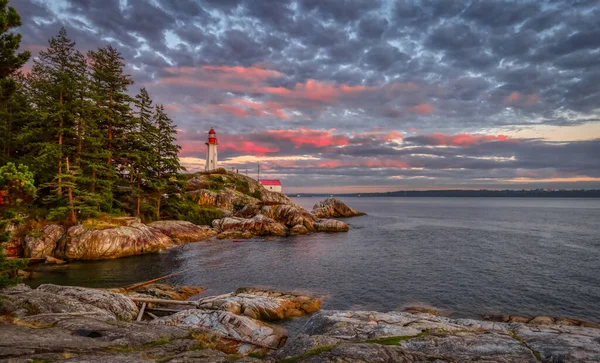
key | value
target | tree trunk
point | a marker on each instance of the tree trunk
(93, 187)
(110, 133)
(139, 198)
(158, 207)
(60, 125)
(9, 139)
(72, 216)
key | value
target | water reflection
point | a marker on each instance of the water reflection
(469, 256)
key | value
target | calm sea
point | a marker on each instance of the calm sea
(469, 256)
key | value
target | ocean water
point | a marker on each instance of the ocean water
(467, 256)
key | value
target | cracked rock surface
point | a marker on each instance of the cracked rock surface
(357, 336)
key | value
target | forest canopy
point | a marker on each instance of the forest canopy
(72, 121)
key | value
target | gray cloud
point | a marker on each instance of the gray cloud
(434, 66)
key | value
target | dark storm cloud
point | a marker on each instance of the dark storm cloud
(449, 66)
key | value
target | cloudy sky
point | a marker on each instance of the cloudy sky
(362, 95)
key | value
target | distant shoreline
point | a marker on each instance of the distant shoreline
(590, 193)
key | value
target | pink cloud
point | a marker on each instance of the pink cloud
(532, 99)
(423, 109)
(513, 97)
(248, 147)
(336, 164)
(305, 136)
(464, 139)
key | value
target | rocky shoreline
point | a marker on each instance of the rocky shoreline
(73, 324)
(248, 209)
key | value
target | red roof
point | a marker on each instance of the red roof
(270, 182)
(211, 131)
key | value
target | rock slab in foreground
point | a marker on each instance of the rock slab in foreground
(333, 208)
(246, 335)
(263, 304)
(22, 301)
(332, 336)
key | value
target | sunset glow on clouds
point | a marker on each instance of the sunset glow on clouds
(362, 95)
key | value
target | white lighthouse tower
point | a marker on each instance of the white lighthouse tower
(211, 150)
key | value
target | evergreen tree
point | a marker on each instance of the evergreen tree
(141, 153)
(54, 83)
(167, 162)
(14, 116)
(109, 92)
(10, 63)
(9, 43)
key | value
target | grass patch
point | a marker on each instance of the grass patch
(310, 353)
(514, 335)
(397, 339)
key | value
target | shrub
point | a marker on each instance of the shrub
(186, 209)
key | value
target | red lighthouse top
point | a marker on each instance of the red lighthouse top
(212, 136)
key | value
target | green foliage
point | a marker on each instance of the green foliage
(16, 187)
(9, 269)
(187, 210)
(395, 340)
(10, 62)
(90, 147)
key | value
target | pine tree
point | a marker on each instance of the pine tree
(10, 63)
(167, 162)
(142, 138)
(109, 92)
(9, 44)
(14, 117)
(54, 82)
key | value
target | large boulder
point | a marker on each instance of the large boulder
(259, 225)
(22, 301)
(94, 244)
(333, 208)
(289, 215)
(241, 333)
(263, 304)
(330, 225)
(44, 245)
(183, 231)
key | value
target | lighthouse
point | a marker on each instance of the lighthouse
(211, 150)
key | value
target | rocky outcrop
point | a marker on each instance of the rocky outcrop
(44, 245)
(182, 231)
(266, 305)
(540, 320)
(93, 244)
(259, 225)
(53, 300)
(332, 336)
(333, 208)
(243, 334)
(330, 225)
(162, 291)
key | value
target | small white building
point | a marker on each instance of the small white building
(273, 185)
(211, 150)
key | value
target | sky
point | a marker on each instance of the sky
(362, 95)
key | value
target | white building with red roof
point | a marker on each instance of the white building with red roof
(273, 185)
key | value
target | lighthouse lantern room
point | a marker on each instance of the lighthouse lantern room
(211, 150)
